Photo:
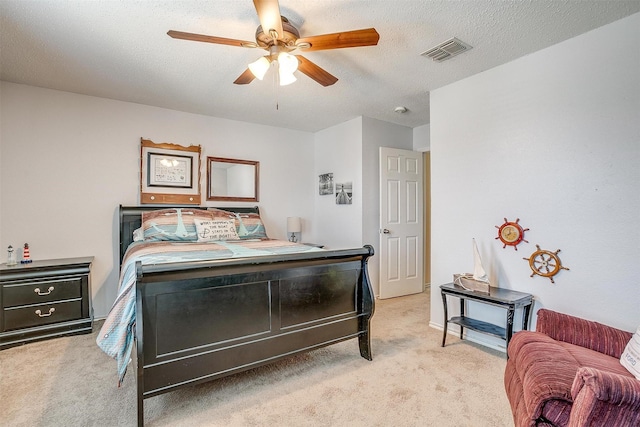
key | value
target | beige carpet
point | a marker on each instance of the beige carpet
(411, 381)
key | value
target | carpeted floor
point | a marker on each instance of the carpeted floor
(412, 381)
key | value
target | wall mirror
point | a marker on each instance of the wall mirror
(232, 179)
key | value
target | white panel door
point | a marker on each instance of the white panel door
(401, 222)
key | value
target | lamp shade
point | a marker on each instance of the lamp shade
(287, 65)
(286, 78)
(294, 224)
(260, 67)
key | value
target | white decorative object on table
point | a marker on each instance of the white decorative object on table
(478, 281)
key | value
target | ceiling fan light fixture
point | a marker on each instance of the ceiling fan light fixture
(260, 67)
(286, 78)
(287, 63)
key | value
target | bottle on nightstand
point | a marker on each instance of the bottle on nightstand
(11, 256)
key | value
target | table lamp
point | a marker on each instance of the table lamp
(294, 225)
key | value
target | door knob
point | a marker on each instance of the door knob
(385, 231)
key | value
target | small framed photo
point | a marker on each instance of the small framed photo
(325, 184)
(344, 193)
(169, 173)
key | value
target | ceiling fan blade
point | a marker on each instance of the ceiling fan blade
(269, 15)
(245, 78)
(209, 39)
(356, 38)
(316, 73)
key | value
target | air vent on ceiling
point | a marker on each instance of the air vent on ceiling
(446, 50)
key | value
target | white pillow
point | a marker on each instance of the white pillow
(630, 358)
(138, 235)
(216, 229)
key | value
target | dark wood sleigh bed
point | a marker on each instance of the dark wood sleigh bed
(201, 320)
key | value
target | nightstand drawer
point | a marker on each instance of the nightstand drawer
(42, 292)
(44, 314)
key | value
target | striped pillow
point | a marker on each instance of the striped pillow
(248, 225)
(174, 224)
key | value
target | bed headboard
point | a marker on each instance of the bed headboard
(131, 219)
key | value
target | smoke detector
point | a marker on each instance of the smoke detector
(400, 110)
(446, 50)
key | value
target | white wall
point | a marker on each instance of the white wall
(422, 138)
(68, 161)
(338, 150)
(553, 139)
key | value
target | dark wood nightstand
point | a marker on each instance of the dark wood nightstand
(45, 299)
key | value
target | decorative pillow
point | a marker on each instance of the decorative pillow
(248, 225)
(216, 229)
(174, 224)
(630, 358)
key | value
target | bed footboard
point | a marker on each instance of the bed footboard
(199, 321)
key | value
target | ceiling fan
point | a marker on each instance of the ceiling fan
(280, 38)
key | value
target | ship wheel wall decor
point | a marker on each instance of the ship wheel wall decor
(545, 263)
(511, 233)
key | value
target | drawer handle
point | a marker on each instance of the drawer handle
(51, 310)
(37, 291)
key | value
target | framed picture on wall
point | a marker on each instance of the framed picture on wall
(344, 193)
(165, 170)
(169, 173)
(325, 184)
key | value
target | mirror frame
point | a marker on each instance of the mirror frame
(256, 166)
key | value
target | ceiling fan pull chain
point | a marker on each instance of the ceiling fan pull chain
(276, 77)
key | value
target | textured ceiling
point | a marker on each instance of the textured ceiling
(120, 50)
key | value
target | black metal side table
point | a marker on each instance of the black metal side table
(511, 300)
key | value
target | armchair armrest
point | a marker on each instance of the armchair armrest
(584, 333)
(604, 398)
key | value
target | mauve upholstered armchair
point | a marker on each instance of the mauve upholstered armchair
(568, 373)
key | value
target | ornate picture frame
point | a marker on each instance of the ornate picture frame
(169, 173)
